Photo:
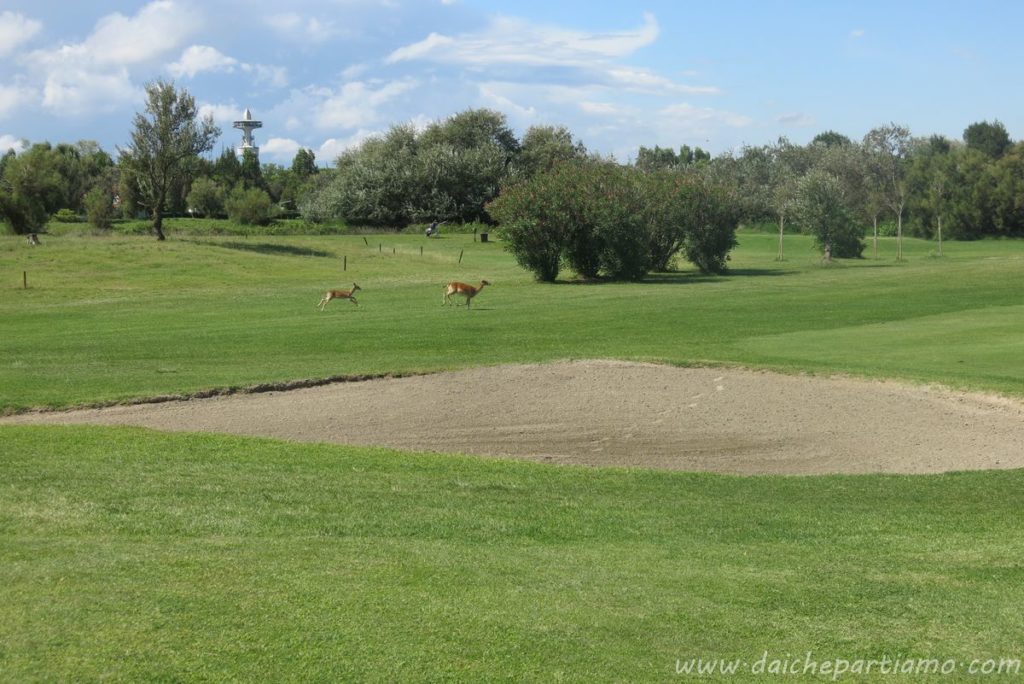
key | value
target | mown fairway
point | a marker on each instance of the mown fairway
(132, 555)
(115, 318)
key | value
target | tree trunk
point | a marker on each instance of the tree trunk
(782, 225)
(158, 223)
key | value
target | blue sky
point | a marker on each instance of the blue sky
(325, 74)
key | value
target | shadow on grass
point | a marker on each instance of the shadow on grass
(684, 278)
(270, 248)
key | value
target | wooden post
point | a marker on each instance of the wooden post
(394, 250)
(344, 263)
(380, 247)
(460, 255)
(474, 235)
(24, 280)
(421, 250)
(365, 242)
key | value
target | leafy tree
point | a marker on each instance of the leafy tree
(206, 197)
(251, 173)
(831, 139)
(712, 233)
(471, 129)
(227, 169)
(31, 189)
(888, 149)
(250, 206)
(545, 146)
(821, 208)
(99, 207)
(304, 163)
(990, 139)
(165, 142)
(931, 177)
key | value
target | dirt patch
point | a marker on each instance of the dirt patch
(611, 413)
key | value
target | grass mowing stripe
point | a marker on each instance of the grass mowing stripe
(131, 554)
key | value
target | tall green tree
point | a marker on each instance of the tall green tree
(31, 189)
(545, 146)
(165, 141)
(990, 139)
(888, 149)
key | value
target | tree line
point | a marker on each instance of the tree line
(161, 171)
(472, 167)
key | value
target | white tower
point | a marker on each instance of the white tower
(247, 125)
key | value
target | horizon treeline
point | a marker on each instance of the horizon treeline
(889, 181)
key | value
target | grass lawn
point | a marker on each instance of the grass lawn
(130, 555)
(117, 317)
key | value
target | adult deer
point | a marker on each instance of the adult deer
(339, 294)
(463, 290)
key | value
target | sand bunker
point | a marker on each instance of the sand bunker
(610, 413)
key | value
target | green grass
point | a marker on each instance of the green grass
(110, 318)
(132, 555)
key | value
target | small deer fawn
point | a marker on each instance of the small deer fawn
(339, 294)
(463, 290)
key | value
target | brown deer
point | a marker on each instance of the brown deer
(463, 290)
(339, 294)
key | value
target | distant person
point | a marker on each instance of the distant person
(434, 229)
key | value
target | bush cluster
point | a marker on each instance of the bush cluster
(251, 207)
(602, 219)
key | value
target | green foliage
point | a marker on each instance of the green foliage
(66, 216)
(31, 189)
(304, 163)
(206, 197)
(821, 209)
(250, 206)
(712, 232)
(251, 174)
(166, 142)
(543, 147)
(99, 208)
(991, 139)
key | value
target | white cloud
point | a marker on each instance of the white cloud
(857, 33)
(13, 97)
(198, 58)
(702, 119)
(600, 108)
(280, 148)
(496, 99)
(356, 103)
(16, 29)
(299, 28)
(10, 142)
(223, 114)
(644, 80)
(71, 92)
(514, 41)
(330, 149)
(158, 28)
(93, 75)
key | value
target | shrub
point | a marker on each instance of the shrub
(250, 207)
(712, 233)
(99, 208)
(822, 211)
(206, 197)
(66, 216)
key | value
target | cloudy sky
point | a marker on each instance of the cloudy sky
(325, 74)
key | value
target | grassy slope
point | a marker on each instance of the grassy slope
(110, 318)
(135, 555)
